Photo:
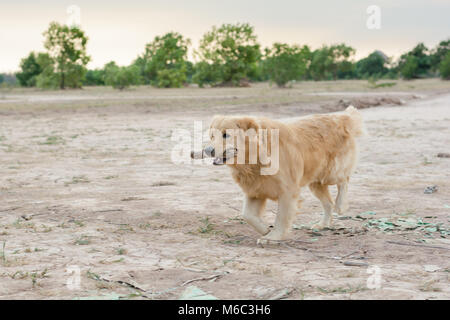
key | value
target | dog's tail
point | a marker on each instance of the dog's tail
(356, 125)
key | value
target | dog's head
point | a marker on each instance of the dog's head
(233, 140)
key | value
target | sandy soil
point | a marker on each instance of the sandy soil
(95, 189)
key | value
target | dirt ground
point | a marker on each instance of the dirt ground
(87, 188)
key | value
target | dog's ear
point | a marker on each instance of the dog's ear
(247, 123)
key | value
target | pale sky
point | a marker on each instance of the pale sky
(119, 30)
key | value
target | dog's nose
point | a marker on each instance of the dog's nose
(209, 151)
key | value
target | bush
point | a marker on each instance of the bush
(409, 69)
(95, 77)
(284, 63)
(371, 66)
(171, 78)
(206, 73)
(30, 69)
(444, 67)
(47, 79)
(121, 77)
(415, 63)
(439, 53)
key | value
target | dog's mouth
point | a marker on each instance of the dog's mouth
(218, 161)
(227, 154)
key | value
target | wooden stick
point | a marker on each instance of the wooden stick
(417, 245)
(201, 279)
(355, 264)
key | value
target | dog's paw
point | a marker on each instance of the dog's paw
(341, 209)
(271, 237)
(321, 225)
(266, 242)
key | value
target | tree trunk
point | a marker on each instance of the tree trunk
(62, 82)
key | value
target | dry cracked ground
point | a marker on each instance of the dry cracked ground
(88, 192)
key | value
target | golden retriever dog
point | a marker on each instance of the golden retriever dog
(315, 151)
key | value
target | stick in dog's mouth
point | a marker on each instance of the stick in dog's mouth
(218, 161)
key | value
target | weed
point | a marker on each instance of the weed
(121, 251)
(144, 226)
(82, 241)
(348, 289)
(110, 177)
(53, 140)
(77, 179)
(206, 226)
(3, 254)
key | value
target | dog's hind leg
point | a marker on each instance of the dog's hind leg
(322, 193)
(251, 213)
(341, 198)
(299, 203)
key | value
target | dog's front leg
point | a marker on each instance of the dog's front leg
(252, 211)
(287, 207)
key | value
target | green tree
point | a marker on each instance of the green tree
(371, 66)
(1, 78)
(67, 47)
(284, 63)
(415, 63)
(121, 77)
(439, 53)
(327, 62)
(165, 60)
(30, 69)
(444, 68)
(227, 55)
(410, 68)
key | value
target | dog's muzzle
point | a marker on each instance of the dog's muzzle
(209, 152)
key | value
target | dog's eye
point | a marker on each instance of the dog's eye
(225, 135)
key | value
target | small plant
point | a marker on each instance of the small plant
(53, 140)
(78, 223)
(3, 254)
(144, 226)
(38, 275)
(374, 85)
(206, 226)
(93, 276)
(124, 228)
(82, 241)
(78, 179)
(121, 251)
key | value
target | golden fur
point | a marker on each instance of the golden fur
(315, 151)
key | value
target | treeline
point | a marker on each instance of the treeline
(229, 55)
